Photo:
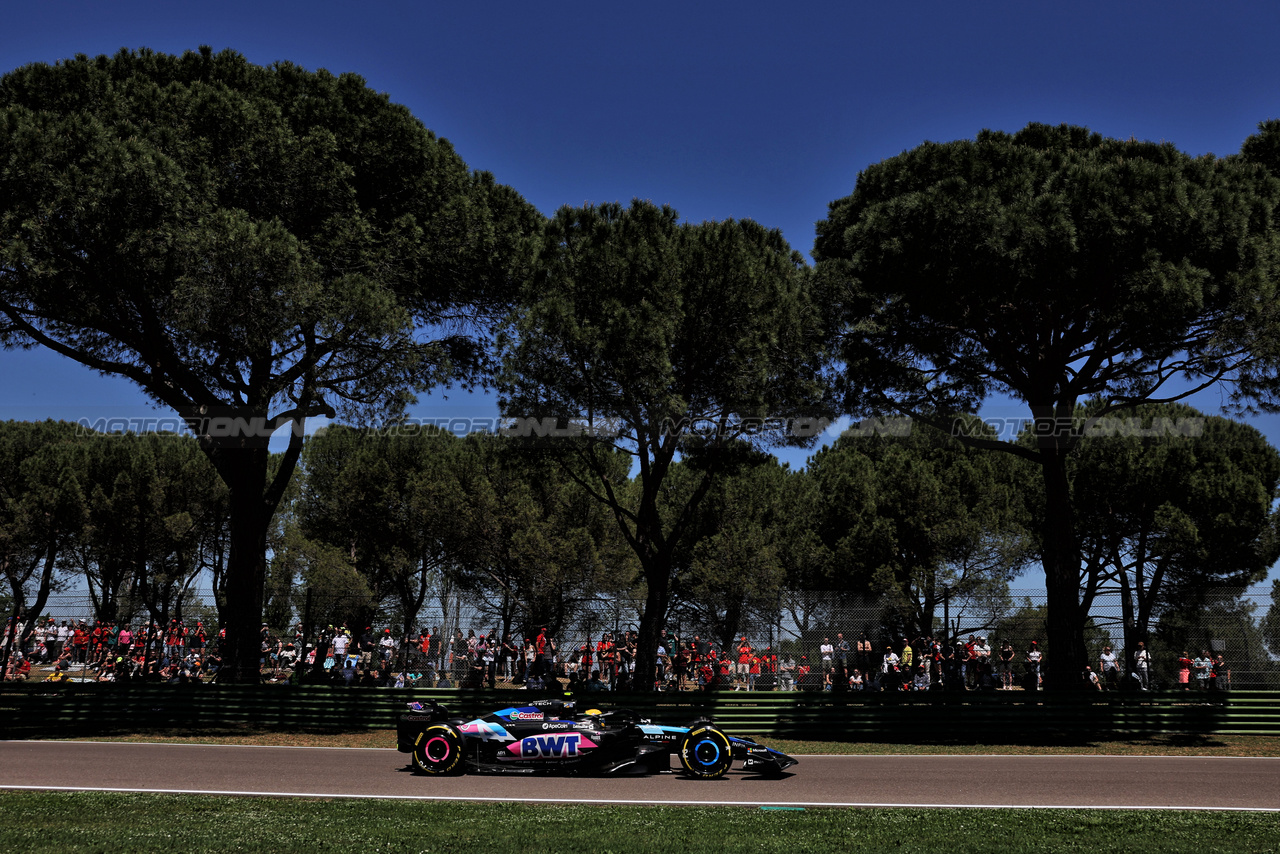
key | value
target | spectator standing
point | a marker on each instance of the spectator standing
(530, 661)
(124, 640)
(1184, 671)
(787, 673)
(907, 663)
(744, 664)
(50, 638)
(680, 667)
(969, 662)
(606, 658)
(864, 654)
(1034, 660)
(387, 645)
(366, 646)
(490, 660)
(540, 645)
(80, 643)
(198, 639)
(627, 657)
(1109, 665)
(842, 659)
(827, 651)
(1005, 657)
(510, 652)
(64, 637)
(1142, 665)
(890, 670)
(457, 657)
(1202, 665)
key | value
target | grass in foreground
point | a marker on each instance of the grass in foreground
(1166, 745)
(73, 822)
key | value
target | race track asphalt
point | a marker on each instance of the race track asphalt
(955, 781)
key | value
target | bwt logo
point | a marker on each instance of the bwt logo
(550, 746)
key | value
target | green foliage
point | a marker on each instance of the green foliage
(340, 594)
(42, 508)
(1172, 505)
(1270, 622)
(1028, 623)
(263, 243)
(274, 225)
(137, 517)
(1219, 618)
(157, 517)
(741, 552)
(678, 340)
(909, 516)
(1053, 266)
(387, 501)
(1003, 260)
(534, 537)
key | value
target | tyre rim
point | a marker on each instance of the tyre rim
(706, 752)
(437, 750)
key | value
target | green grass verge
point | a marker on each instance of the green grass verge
(135, 823)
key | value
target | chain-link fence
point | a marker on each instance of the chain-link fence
(597, 634)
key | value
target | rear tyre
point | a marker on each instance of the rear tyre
(438, 750)
(705, 753)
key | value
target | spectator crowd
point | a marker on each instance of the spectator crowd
(186, 651)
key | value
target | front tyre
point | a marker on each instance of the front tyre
(438, 750)
(705, 753)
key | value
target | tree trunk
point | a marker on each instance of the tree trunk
(658, 579)
(1065, 658)
(245, 472)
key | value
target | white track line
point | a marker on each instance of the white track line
(628, 802)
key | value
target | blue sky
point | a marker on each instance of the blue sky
(747, 110)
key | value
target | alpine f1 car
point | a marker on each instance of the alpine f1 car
(552, 736)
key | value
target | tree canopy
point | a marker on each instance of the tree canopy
(666, 341)
(252, 246)
(1053, 266)
(1172, 508)
(915, 516)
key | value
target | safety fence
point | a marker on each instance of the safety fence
(46, 710)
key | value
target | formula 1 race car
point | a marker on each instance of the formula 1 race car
(551, 736)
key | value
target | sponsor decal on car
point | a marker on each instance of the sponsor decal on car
(566, 746)
(485, 730)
